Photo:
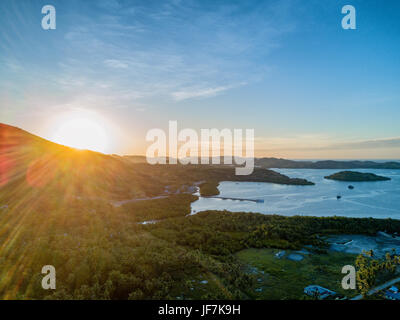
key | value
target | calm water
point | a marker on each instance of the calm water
(368, 199)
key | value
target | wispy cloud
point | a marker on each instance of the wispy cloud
(309, 143)
(178, 49)
(368, 144)
(114, 63)
(200, 93)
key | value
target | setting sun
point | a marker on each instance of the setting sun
(82, 131)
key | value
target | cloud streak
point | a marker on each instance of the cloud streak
(201, 93)
(317, 144)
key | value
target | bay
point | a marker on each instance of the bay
(379, 199)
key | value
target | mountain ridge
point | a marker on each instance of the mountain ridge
(324, 164)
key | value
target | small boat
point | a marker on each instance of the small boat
(350, 187)
(338, 197)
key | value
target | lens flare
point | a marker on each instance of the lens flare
(82, 131)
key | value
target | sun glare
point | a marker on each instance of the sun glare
(82, 131)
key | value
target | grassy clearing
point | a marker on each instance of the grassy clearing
(204, 285)
(286, 279)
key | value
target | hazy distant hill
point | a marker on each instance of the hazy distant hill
(287, 164)
(325, 164)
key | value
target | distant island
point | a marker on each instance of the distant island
(210, 187)
(324, 164)
(356, 176)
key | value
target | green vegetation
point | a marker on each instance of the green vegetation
(177, 205)
(354, 176)
(101, 252)
(370, 270)
(208, 189)
(281, 278)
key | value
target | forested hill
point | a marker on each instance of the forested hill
(30, 165)
(324, 164)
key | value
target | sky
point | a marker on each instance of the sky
(286, 69)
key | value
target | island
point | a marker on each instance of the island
(355, 176)
(213, 176)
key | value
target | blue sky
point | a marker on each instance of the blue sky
(285, 68)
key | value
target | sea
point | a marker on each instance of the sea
(326, 198)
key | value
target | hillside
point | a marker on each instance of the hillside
(30, 163)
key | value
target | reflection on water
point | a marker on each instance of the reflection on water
(368, 199)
